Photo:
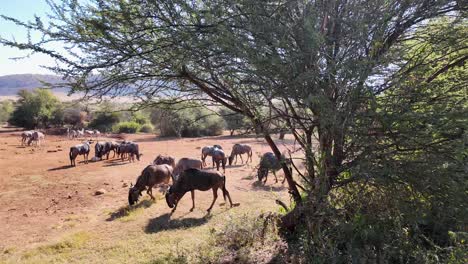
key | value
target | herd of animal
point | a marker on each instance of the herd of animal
(81, 133)
(187, 175)
(32, 137)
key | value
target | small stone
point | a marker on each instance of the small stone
(124, 185)
(106, 183)
(69, 197)
(99, 192)
(25, 215)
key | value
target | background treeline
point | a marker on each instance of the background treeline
(39, 108)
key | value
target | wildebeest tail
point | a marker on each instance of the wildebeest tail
(71, 154)
(224, 188)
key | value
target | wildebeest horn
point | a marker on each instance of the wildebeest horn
(131, 185)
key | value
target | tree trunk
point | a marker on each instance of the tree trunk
(282, 134)
(287, 172)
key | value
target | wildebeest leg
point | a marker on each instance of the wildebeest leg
(276, 178)
(150, 192)
(266, 176)
(175, 206)
(242, 160)
(226, 193)
(193, 200)
(215, 196)
(213, 161)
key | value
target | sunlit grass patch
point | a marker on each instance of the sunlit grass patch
(129, 213)
(68, 244)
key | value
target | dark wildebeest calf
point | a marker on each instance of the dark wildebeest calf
(150, 176)
(131, 149)
(194, 179)
(268, 163)
(219, 157)
(81, 149)
(208, 151)
(238, 150)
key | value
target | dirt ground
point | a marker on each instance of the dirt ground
(42, 197)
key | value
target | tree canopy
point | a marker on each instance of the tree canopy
(374, 91)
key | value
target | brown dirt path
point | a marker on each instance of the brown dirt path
(42, 198)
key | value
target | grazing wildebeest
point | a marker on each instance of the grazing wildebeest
(160, 159)
(150, 176)
(89, 133)
(26, 135)
(269, 162)
(36, 137)
(219, 157)
(184, 164)
(114, 146)
(80, 133)
(101, 149)
(238, 150)
(81, 149)
(208, 151)
(194, 179)
(131, 149)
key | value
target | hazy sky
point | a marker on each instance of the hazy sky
(23, 10)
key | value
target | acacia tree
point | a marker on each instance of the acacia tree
(327, 69)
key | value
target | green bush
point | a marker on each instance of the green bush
(34, 109)
(127, 127)
(105, 121)
(146, 128)
(6, 108)
(187, 120)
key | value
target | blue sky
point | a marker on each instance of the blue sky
(23, 10)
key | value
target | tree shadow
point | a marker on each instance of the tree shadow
(235, 166)
(164, 222)
(127, 210)
(114, 163)
(259, 186)
(64, 167)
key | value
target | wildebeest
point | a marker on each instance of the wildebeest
(150, 176)
(101, 149)
(129, 148)
(160, 159)
(113, 147)
(80, 149)
(194, 179)
(268, 163)
(186, 163)
(26, 135)
(90, 133)
(80, 133)
(219, 157)
(238, 150)
(208, 151)
(36, 137)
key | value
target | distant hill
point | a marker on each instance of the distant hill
(11, 84)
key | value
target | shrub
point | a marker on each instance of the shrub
(187, 120)
(105, 121)
(34, 109)
(6, 108)
(234, 121)
(146, 128)
(127, 127)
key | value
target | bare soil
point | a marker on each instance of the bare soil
(42, 197)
